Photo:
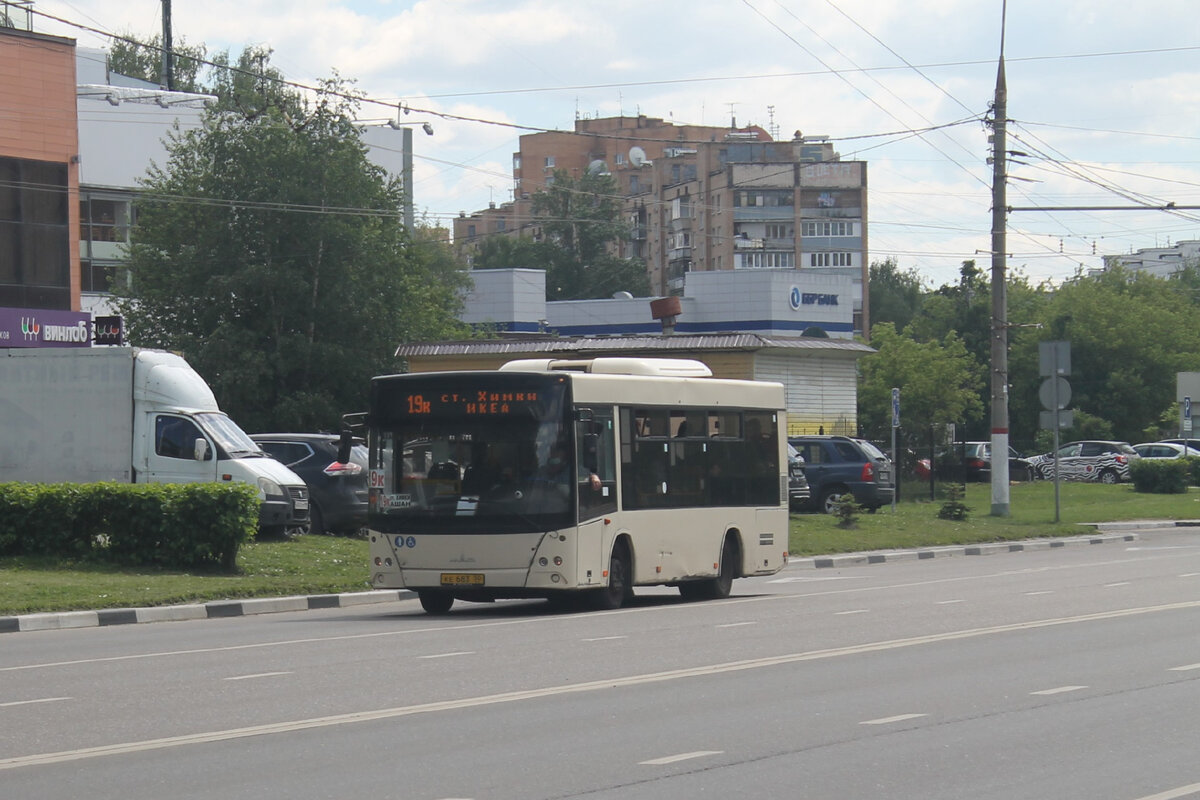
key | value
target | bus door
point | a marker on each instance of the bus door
(595, 452)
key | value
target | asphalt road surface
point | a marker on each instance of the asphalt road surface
(1066, 673)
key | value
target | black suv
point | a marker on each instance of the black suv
(337, 492)
(837, 465)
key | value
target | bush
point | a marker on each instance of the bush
(170, 525)
(954, 507)
(1161, 475)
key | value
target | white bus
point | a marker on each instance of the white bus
(574, 478)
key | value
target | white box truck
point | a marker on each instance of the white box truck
(89, 414)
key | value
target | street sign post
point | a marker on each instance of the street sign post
(895, 463)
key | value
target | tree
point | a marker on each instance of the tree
(143, 60)
(1130, 333)
(939, 382)
(271, 253)
(895, 296)
(581, 219)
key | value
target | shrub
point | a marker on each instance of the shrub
(954, 507)
(846, 511)
(1160, 475)
(171, 525)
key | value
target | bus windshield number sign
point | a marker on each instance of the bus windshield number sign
(481, 402)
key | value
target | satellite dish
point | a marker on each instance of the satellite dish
(637, 156)
(622, 295)
(598, 167)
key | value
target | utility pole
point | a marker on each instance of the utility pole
(1000, 488)
(168, 57)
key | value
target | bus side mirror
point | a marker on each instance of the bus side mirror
(200, 449)
(344, 445)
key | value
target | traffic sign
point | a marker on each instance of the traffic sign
(1055, 393)
(895, 407)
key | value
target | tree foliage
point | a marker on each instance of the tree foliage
(896, 296)
(938, 381)
(581, 218)
(144, 60)
(271, 253)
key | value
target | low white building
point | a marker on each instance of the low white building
(1160, 261)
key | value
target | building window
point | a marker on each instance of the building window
(104, 219)
(634, 185)
(827, 228)
(549, 162)
(516, 163)
(35, 252)
(620, 158)
(831, 259)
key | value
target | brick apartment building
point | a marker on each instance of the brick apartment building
(700, 198)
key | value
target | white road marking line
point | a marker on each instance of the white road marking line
(1189, 574)
(1115, 585)
(1035, 594)
(608, 684)
(816, 579)
(31, 702)
(605, 638)
(1171, 794)
(855, 611)
(450, 655)
(657, 762)
(948, 602)
(256, 675)
(889, 720)
(1184, 668)
(1059, 690)
(736, 624)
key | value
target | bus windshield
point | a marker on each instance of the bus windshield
(494, 455)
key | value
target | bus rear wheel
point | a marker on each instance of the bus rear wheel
(620, 583)
(720, 586)
(435, 601)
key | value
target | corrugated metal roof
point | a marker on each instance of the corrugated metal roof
(606, 344)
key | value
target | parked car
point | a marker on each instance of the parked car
(839, 465)
(1163, 450)
(337, 491)
(972, 461)
(1192, 445)
(1092, 460)
(798, 492)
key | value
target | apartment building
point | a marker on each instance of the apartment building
(700, 198)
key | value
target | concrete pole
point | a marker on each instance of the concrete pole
(999, 339)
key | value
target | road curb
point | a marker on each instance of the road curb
(215, 609)
(893, 556)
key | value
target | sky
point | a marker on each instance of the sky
(1103, 98)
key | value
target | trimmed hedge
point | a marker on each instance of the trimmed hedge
(182, 525)
(1163, 475)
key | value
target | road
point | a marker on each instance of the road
(1065, 673)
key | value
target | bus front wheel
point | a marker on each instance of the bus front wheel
(620, 583)
(720, 586)
(435, 602)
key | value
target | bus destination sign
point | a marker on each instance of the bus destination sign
(475, 403)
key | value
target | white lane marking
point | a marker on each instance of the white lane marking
(605, 638)
(31, 702)
(1035, 594)
(1115, 585)
(1189, 574)
(256, 675)
(889, 720)
(1059, 690)
(738, 624)
(1184, 668)
(817, 579)
(656, 762)
(948, 602)
(571, 688)
(854, 611)
(450, 655)
(1171, 794)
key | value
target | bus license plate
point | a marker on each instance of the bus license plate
(462, 579)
